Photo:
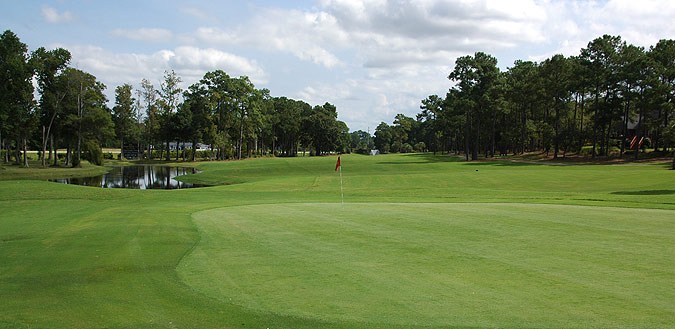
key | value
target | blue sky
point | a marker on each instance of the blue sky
(372, 59)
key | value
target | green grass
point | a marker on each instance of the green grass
(421, 241)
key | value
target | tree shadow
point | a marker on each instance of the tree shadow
(424, 158)
(645, 192)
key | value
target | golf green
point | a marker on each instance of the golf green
(424, 264)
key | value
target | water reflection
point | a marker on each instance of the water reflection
(136, 177)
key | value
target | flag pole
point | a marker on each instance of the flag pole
(342, 194)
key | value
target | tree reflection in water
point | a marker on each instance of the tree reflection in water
(136, 177)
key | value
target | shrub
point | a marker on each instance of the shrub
(93, 153)
(420, 147)
(76, 160)
(588, 150)
(406, 148)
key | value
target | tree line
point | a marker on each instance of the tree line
(611, 98)
(71, 112)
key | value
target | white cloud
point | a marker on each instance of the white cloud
(52, 15)
(200, 14)
(306, 35)
(381, 94)
(144, 34)
(190, 63)
(642, 23)
(387, 33)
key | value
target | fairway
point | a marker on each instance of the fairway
(421, 241)
(478, 265)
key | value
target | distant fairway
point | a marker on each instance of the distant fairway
(422, 240)
(485, 265)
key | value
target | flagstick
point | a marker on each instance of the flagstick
(341, 192)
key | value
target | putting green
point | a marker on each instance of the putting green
(462, 264)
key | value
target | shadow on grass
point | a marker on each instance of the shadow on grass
(424, 158)
(645, 192)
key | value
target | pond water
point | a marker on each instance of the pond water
(136, 177)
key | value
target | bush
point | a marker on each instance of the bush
(76, 160)
(406, 148)
(93, 153)
(108, 155)
(588, 150)
(420, 147)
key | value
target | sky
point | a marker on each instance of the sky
(372, 59)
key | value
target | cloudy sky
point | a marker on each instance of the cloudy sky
(373, 59)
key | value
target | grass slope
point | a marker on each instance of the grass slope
(73, 256)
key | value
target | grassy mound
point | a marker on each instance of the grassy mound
(478, 265)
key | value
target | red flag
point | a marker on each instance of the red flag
(640, 144)
(338, 164)
(632, 143)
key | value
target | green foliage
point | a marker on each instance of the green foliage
(92, 152)
(76, 160)
(420, 147)
(406, 148)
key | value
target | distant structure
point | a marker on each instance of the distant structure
(185, 146)
(374, 152)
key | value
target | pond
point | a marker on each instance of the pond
(136, 177)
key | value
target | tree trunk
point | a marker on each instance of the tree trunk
(241, 135)
(466, 136)
(595, 130)
(51, 147)
(68, 151)
(581, 127)
(5, 154)
(25, 154)
(56, 158)
(523, 122)
(476, 139)
(194, 150)
(17, 157)
(608, 140)
(494, 122)
(168, 151)
(557, 129)
(625, 129)
(7, 150)
(637, 135)
(122, 148)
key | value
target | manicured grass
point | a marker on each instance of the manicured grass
(271, 246)
(468, 264)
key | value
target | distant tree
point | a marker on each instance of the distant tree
(169, 94)
(197, 103)
(662, 57)
(124, 115)
(556, 73)
(600, 58)
(17, 116)
(83, 94)
(383, 137)
(151, 131)
(477, 78)
(53, 88)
